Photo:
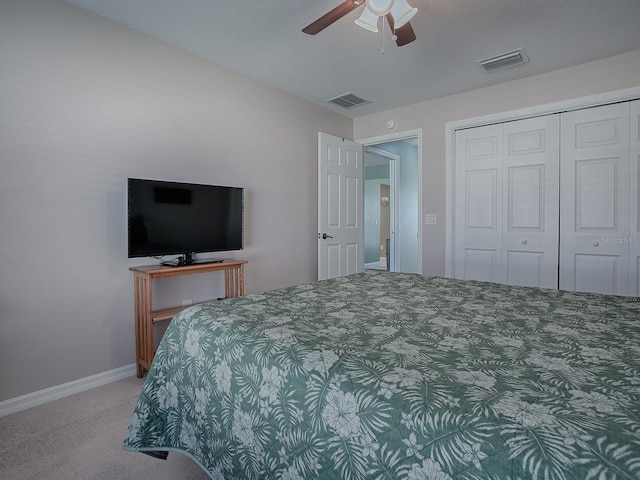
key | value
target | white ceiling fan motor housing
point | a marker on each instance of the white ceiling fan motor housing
(380, 7)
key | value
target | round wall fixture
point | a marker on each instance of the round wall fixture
(392, 123)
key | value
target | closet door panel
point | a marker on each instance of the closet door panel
(634, 214)
(478, 212)
(596, 191)
(594, 203)
(525, 268)
(530, 202)
(590, 270)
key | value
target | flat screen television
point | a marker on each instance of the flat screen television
(172, 218)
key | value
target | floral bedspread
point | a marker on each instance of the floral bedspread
(387, 375)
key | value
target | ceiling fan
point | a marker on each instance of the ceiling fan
(397, 12)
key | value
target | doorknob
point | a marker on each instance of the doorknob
(325, 236)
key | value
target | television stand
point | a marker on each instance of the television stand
(146, 316)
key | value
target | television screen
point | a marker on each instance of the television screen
(171, 218)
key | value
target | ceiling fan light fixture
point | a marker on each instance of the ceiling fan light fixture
(402, 12)
(397, 13)
(368, 20)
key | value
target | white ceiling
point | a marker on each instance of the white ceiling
(263, 40)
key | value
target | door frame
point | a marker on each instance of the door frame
(393, 137)
(597, 100)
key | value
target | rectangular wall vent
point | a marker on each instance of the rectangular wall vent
(348, 100)
(509, 59)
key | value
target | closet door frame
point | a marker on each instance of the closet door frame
(627, 94)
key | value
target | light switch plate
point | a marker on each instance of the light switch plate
(429, 218)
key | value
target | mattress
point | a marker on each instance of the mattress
(386, 375)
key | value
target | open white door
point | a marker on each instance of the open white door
(340, 207)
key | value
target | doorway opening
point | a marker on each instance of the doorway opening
(379, 208)
(392, 204)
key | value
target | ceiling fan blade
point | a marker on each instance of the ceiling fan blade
(404, 34)
(332, 16)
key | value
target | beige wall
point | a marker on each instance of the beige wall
(86, 103)
(614, 73)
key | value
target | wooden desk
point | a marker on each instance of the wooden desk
(146, 316)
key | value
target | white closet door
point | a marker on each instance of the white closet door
(594, 200)
(634, 227)
(530, 197)
(506, 205)
(478, 204)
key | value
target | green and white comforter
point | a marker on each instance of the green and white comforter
(388, 375)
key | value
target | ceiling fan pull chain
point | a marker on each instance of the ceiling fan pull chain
(382, 50)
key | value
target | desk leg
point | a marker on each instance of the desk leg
(234, 282)
(144, 325)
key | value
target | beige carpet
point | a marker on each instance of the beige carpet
(80, 437)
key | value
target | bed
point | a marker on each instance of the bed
(385, 375)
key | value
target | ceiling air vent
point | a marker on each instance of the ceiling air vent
(509, 59)
(348, 100)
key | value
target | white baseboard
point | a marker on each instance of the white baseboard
(17, 404)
